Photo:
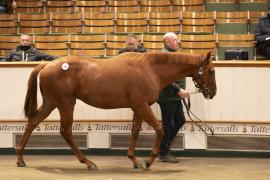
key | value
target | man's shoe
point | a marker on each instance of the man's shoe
(167, 158)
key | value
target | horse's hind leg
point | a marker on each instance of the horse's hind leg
(66, 113)
(43, 111)
(136, 126)
(146, 113)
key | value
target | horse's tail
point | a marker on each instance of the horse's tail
(30, 104)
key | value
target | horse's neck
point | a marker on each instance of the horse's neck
(176, 68)
(169, 74)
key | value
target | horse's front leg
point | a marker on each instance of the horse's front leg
(146, 113)
(66, 113)
(136, 126)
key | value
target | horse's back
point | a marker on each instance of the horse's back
(80, 67)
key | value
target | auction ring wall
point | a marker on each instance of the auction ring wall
(239, 114)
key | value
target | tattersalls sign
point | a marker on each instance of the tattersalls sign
(99, 132)
(125, 127)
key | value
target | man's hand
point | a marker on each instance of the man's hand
(183, 93)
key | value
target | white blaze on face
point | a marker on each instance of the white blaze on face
(65, 66)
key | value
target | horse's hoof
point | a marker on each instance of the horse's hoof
(136, 166)
(21, 164)
(144, 165)
(92, 166)
(147, 164)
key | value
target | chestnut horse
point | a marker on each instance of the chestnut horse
(129, 80)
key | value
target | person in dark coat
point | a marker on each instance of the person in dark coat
(172, 113)
(132, 45)
(262, 35)
(25, 52)
(6, 6)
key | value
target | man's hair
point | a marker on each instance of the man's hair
(169, 34)
(26, 35)
(132, 35)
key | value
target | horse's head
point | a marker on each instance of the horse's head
(204, 78)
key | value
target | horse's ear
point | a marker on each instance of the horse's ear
(207, 58)
(208, 55)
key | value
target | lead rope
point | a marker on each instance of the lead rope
(188, 106)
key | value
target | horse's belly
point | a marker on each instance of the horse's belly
(106, 102)
(106, 105)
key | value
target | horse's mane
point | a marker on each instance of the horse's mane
(173, 58)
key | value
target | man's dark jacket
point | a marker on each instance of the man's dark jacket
(139, 49)
(262, 32)
(27, 54)
(170, 92)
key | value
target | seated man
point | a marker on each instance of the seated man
(25, 52)
(262, 36)
(6, 6)
(132, 45)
